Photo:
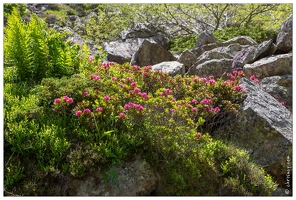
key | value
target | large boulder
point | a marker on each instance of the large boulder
(135, 178)
(264, 128)
(204, 38)
(121, 51)
(150, 54)
(280, 87)
(220, 58)
(243, 40)
(187, 58)
(214, 67)
(172, 67)
(252, 53)
(270, 66)
(146, 30)
(284, 38)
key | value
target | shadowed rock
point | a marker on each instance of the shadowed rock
(150, 54)
(264, 128)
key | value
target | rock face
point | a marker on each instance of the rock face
(252, 53)
(121, 51)
(264, 128)
(214, 67)
(173, 68)
(270, 66)
(135, 178)
(150, 54)
(280, 87)
(284, 38)
(146, 30)
(205, 38)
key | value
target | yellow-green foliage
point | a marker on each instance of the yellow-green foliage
(37, 51)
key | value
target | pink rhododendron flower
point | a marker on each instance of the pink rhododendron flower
(136, 90)
(217, 109)
(198, 135)
(58, 100)
(121, 115)
(194, 79)
(169, 92)
(238, 87)
(106, 98)
(212, 81)
(253, 78)
(206, 101)
(173, 110)
(69, 100)
(134, 84)
(194, 109)
(87, 110)
(95, 77)
(78, 113)
(211, 77)
(144, 73)
(204, 80)
(283, 103)
(173, 99)
(99, 109)
(136, 67)
(65, 98)
(84, 93)
(113, 78)
(194, 101)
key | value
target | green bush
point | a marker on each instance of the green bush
(181, 43)
(256, 32)
(86, 123)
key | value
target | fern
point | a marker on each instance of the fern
(38, 36)
(17, 46)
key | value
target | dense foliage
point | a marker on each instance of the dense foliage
(256, 32)
(82, 116)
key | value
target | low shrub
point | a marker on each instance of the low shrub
(86, 123)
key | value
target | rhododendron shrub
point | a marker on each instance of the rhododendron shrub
(113, 112)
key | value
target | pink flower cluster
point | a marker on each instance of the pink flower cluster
(206, 101)
(108, 64)
(95, 77)
(253, 78)
(106, 98)
(136, 67)
(166, 92)
(84, 93)
(121, 115)
(238, 87)
(99, 109)
(133, 105)
(65, 98)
